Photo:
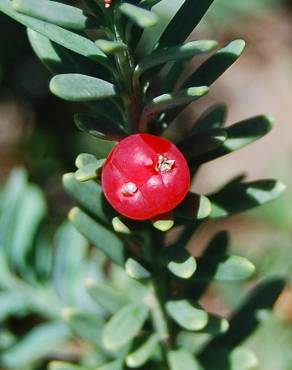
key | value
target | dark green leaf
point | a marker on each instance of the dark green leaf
(193, 207)
(184, 21)
(170, 101)
(78, 87)
(165, 55)
(98, 235)
(201, 143)
(210, 71)
(57, 13)
(99, 127)
(141, 17)
(242, 196)
(68, 39)
(245, 320)
(124, 326)
(212, 118)
(216, 65)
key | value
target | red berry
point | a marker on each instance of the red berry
(145, 176)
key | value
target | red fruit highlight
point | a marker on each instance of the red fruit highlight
(145, 176)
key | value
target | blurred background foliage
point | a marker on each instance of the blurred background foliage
(37, 132)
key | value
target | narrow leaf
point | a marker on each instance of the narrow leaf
(188, 16)
(135, 270)
(99, 127)
(59, 59)
(242, 196)
(186, 315)
(212, 118)
(263, 296)
(124, 326)
(90, 171)
(182, 360)
(57, 13)
(35, 345)
(141, 17)
(89, 195)
(243, 359)
(216, 65)
(165, 55)
(179, 261)
(202, 143)
(143, 353)
(224, 268)
(68, 39)
(62, 365)
(98, 235)
(84, 324)
(111, 47)
(193, 207)
(105, 296)
(115, 365)
(77, 87)
(170, 101)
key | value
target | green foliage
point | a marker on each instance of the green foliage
(141, 311)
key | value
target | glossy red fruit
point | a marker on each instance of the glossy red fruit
(145, 176)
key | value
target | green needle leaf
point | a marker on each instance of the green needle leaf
(98, 235)
(242, 196)
(99, 127)
(61, 365)
(135, 270)
(84, 324)
(169, 101)
(89, 195)
(141, 17)
(105, 296)
(216, 65)
(186, 315)
(212, 118)
(165, 55)
(143, 353)
(124, 326)
(223, 268)
(68, 39)
(111, 47)
(243, 359)
(89, 171)
(78, 87)
(53, 12)
(114, 365)
(35, 345)
(202, 143)
(182, 360)
(184, 21)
